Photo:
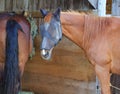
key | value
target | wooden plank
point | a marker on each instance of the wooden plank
(2, 5)
(34, 14)
(18, 5)
(14, 7)
(47, 84)
(26, 5)
(71, 4)
(8, 5)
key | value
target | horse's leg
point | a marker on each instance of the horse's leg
(104, 78)
(23, 53)
(21, 68)
(1, 76)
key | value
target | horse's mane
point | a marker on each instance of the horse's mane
(76, 12)
(72, 12)
(67, 17)
(95, 26)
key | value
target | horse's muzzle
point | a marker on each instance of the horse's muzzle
(46, 54)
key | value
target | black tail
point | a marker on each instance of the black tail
(11, 77)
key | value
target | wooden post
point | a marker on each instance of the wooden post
(98, 89)
(102, 7)
(101, 12)
(71, 4)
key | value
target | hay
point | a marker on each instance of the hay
(34, 32)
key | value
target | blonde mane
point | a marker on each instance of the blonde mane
(78, 12)
(95, 26)
(68, 17)
(71, 12)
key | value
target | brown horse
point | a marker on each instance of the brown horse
(15, 47)
(99, 37)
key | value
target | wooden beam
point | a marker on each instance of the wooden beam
(102, 7)
(94, 3)
(34, 14)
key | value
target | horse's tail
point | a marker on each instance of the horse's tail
(11, 76)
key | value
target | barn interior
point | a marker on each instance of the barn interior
(68, 72)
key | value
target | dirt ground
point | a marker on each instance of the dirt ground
(68, 72)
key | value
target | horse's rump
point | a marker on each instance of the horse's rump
(24, 43)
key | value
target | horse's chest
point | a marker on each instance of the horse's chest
(115, 64)
(99, 54)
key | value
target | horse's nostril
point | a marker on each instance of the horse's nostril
(46, 54)
(43, 52)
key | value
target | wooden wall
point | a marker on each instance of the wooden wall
(35, 5)
(68, 72)
(109, 6)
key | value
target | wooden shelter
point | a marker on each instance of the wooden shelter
(68, 72)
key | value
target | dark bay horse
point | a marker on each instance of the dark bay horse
(15, 47)
(99, 37)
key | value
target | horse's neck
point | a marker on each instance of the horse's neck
(73, 27)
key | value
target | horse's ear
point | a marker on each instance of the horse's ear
(57, 13)
(43, 12)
